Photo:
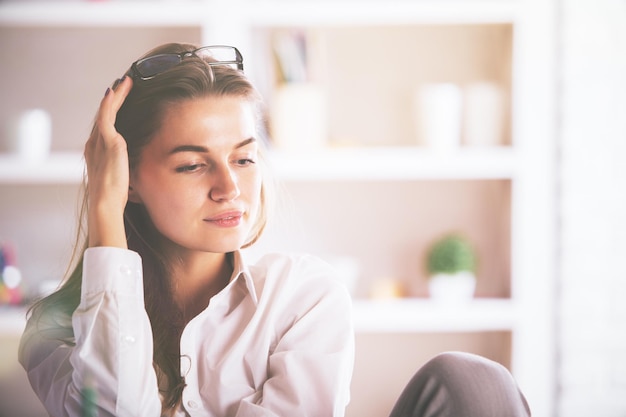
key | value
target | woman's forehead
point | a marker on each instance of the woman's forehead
(210, 121)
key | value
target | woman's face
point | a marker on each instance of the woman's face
(199, 176)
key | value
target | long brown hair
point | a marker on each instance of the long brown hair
(137, 121)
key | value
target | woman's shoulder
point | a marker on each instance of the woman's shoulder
(296, 272)
(294, 285)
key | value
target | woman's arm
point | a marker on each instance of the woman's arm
(112, 353)
(106, 345)
(310, 369)
(106, 156)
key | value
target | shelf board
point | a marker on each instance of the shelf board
(103, 13)
(393, 164)
(12, 320)
(394, 12)
(58, 168)
(353, 164)
(275, 12)
(426, 316)
(384, 316)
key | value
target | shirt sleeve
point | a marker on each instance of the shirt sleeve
(310, 368)
(112, 349)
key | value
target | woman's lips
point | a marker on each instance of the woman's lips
(227, 219)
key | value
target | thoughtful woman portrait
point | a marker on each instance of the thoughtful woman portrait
(163, 316)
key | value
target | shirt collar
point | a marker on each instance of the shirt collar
(240, 269)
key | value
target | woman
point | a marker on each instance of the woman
(162, 316)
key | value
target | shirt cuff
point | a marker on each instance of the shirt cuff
(109, 269)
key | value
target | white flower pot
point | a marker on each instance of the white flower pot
(452, 288)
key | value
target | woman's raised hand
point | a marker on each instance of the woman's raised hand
(106, 156)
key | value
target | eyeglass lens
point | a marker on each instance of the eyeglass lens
(157, 64)
(223, 54)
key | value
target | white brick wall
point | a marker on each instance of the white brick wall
(592, 339)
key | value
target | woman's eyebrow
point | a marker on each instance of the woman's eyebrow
(245, 142)
(204, 149)
(189, 148)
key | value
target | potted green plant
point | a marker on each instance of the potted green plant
(451, 266)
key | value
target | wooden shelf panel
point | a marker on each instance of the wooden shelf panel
(355, 12)
(423, 316)
(59, 168)
(388, 316)
(394, 164)
(12, 320)
(109, 13)
(363, 164)
(276, 12)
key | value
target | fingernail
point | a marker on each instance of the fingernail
(106, 93)
(118, 82)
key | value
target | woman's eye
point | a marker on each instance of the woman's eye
(189, 168)
(244, 162)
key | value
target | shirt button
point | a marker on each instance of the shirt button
(126, 270)
(192, 404)
(128, 340)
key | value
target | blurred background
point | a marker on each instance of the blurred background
(401, 133)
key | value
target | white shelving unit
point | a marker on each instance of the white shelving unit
(526, 163)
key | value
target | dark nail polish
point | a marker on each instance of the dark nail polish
(118, 82)
(106, 93)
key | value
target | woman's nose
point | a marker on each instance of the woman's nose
(224, 186)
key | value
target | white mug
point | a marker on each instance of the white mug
(438, 115)
(33, 136)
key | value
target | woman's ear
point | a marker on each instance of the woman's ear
(133, 196)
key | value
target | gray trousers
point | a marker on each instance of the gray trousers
(456, 384)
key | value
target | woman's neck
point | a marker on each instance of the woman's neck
(198, 277)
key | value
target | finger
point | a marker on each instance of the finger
(115, 96)
(106, 118)
(110, 105)
(121, 92)
(95, 131)
(116, 83)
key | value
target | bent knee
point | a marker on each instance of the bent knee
(453, 360)
(457, 370)
(462, 384)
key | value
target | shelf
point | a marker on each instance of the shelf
(388, 316)
(190, 13)
(12, 320)
(507, 196)
(366, 164)
(104, 13)
(423, 315)
(393, 164)
(59, 168)
(395, 12)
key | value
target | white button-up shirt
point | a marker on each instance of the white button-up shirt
(276, 341)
